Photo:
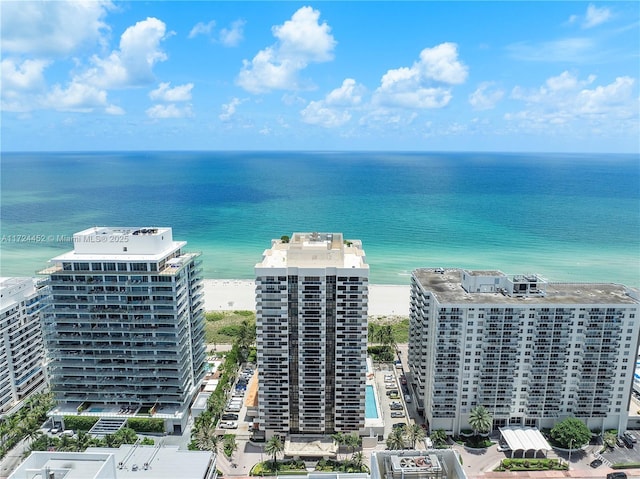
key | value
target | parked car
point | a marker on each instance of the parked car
(396, 406)
(617, 475)
(392, 392)
(233, 408)
(399, 424)
(229, 425)
(630, 436)
(407, 398)
(619, 442)
(395, 414)
(229, 416)
(595, 463)
(627, 442)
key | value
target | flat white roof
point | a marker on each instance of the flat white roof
(524, 439)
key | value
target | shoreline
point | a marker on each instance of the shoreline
(239, 294)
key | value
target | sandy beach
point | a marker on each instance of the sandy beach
(236, 294)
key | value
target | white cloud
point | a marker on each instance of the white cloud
(565, 50)
(441, 64)
(565, 100)
(131, 65)
(350, 93)
(229, 109)
(169, 111)
(485, 97)
(317, 113)
(114, 110)
(52, 28)
(595, 16)
(27, 75)
(333, 111)
(76, 97)
(301, 40)
(201, 28)
(231, 37)
(421, 85)
(164, 92)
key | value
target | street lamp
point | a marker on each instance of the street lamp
(570, 447)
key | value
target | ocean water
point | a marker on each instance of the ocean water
(566, 217)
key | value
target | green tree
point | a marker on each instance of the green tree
(571, 433)
(396, 439)
(358, 459)
(273, 447)
(610, 439)
(340, 440)
(415, 433)
(372, 330)
(206, 438)
(353, 441)
(230, 445)
(439, 437)
(480, 420)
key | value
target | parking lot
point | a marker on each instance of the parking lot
(622, 454)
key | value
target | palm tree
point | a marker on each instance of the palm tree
(480, 420)
(273, 447)
(415, 433)
(358, 460)
(340, 440)
(230, 445)
(371, 329)
(206, 438)
(353, 441)
(439, 437)
(395, 440)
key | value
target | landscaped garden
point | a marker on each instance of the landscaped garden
(532, 465)
(272, 468)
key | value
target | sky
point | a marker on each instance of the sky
(417, 76)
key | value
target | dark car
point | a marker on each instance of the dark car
(399, 424)
(229, 417)
(595, 463)
(627, 442)
(617, 475)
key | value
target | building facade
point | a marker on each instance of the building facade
(531, 352)
(124, 324)
(311, 304)
(21, 350)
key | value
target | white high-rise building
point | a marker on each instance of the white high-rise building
(311, 302)
(124, 327)
(530, 351)
(21, 350)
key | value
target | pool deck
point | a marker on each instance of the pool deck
(377, 423)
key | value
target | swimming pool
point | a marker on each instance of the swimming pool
(370, 407)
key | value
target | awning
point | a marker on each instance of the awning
(524, 439)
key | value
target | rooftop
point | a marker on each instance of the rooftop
(125, 244)
(309, 250)
(446, 286)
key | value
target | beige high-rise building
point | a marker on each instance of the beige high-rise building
(311, 302)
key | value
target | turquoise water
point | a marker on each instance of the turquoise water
(566, 217)
(370, 408)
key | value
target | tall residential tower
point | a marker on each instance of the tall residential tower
(311, 302)
(531, 352)
(21, 351)
(124, 327)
